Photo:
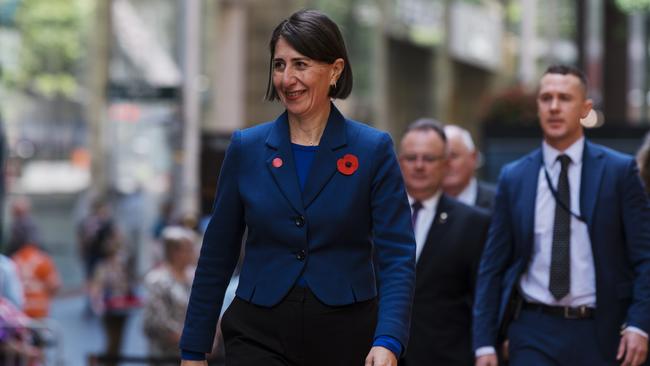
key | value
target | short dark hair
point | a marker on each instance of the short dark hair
(568, 70)
(316, 36)
(427, 124)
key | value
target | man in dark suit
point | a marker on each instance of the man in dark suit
(449, 239)
(569, 247)
(460, 181)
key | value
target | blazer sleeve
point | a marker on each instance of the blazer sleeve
(219, 255)
(494, 261)
(636, 223)
(394, 244)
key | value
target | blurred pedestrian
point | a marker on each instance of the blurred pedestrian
(643, 160)
(565, 273)
(168, 291)
(23, 229)
(96, 233)
(18, 345)
(447, 252)
(10, 286)
(112, 294)
(39, 277)
(460, 181)
(320, 195)
(36, 269)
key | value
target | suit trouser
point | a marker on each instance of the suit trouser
(539, 339)
(299, 331)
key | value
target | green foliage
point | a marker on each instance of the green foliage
(630, 6)
(51, 33)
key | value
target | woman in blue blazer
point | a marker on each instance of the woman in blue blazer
(328, 272)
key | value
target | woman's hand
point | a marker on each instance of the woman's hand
(194, 363)
(380, 356)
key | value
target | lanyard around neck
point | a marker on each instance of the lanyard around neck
(565, 205)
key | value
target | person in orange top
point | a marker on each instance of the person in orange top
(39, 277)
(36, 270)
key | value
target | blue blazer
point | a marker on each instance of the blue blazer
(329, 232)
(617, 213)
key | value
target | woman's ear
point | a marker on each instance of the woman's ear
(337, 69)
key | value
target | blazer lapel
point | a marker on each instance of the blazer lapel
(284, 175)
(528, 197)
(324, 165)
(592, 172)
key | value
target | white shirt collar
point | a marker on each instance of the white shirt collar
(430, 203)
(574, 152)
(468, 195)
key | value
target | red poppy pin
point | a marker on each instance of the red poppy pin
(277, 162)
(348, 164)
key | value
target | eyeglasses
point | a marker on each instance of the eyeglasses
(427, 159)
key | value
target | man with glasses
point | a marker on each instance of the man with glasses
(449, 238)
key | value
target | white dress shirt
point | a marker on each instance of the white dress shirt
(469, 194)
(534, 282)
(424, 220)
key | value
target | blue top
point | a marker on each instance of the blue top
(303, 157)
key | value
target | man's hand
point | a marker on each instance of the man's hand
(634, 347)
(379, 356)
(487, 360)
(194, 363)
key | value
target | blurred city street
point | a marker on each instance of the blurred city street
(81, 333)
(116, 115)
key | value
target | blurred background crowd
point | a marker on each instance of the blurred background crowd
(115, 115)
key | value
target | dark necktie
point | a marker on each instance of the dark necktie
(560, 276)
(415, 209)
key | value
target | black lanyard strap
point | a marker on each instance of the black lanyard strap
(565, 205)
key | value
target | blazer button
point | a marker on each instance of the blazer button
(299, 221)
(301, 255)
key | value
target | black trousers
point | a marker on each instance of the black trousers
(300, 331)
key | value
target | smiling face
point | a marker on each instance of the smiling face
(561, 103)
(422, 158)
(301, 83)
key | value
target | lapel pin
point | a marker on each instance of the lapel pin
(348, 164)
(277, 162)
(443, 217)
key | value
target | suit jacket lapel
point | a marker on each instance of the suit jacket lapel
(528, 197)
(324, 164)
(435, 236)
(285, 176)
(592, 172)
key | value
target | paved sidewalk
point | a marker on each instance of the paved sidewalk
(82, 334)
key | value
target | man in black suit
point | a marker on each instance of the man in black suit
(449, 237)
(460, 181)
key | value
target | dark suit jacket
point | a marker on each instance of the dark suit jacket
(485, 193)
(327, 232)
(617, 213)
(445, 278)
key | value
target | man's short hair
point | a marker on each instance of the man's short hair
(427, 124)
(568, 70)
